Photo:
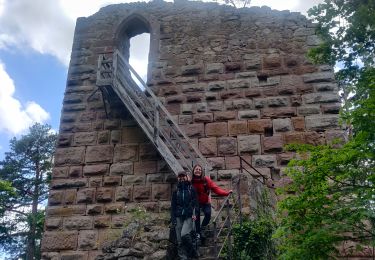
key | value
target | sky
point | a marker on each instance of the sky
(35, 44)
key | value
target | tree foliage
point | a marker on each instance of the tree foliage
(24, 175)
(332, 197)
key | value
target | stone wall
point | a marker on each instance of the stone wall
(236, 80)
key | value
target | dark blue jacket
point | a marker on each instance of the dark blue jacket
(184, 201)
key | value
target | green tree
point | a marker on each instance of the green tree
(331, 199)
(27, 168)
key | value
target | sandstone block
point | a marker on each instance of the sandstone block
(64, 140)
(214, 68)
(112, 181)
(75, 171)
(200, 107)
(61, 240)
(124, 168)
(103, 137)
(224, 116)
(85, 195)
(99, 153)
(88, 138)
(185, 119)
(124, 193)
(278, 101)
(248, 114)
(104, 194)
(191, 69)
(237, 127)
(231, 162)
(78, 223)
(94, 210)
(294, 137)
(141, 193)
(70, 196)
(148, 152)
(115, 136)
(95, 182)
(238, 84)
(161, 191)
(314, 138)
(208, 146)
(145, 167)
(60, 211)
(227, 146)
(68, 183)
(217, 129)
(88, 240)
(298, 123)
(60, 172)
(259, 126)
(215, 106)
(155, 178)
(272, 61)
(264, 160)
(321, 122)
(326, 97)
(216, 162)
(188, 109)
(131, 135)
(102, 221)
(94, 170)
(238, 104)
(318, 77)
(133, 179)
(125, 153)
(203, 118)
(273, 144)
(226, 175)
(331, 108)
(69, 156)
(217, 86)
(55, 197)
(53, 223)
(282, 125)
(279, 112)
(252, 63)
(114, 208)
(194, 130)
(308, 110)
(326, 86)
(248, 144)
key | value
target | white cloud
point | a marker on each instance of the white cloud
(14, 117)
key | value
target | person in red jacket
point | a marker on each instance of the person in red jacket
(203, 186)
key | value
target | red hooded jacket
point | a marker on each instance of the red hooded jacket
(203, 186)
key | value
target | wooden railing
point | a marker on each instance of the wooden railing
(175, 147)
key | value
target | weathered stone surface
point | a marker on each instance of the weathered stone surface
(208, 146)
(161, 192)
(55, 197)
(214, 68)
(298, 123)
(78, 223)
(88, 240)
(264, 160)
(104, 194)
(194, 130)
(227, 146)
(216, 162)
(124, 193)
(216, 129)
(203, 118)
(97, 169)
(225, 115)
(94, 210)
(85, 138)
(308, 110)
(248, 114)
(231, 162)
(99, 153)
(217, 86)
(69, 156)
(273, 144)
(124, 153)
(53, 223)
(85, 196)
(318, 77)
(73, 183)
(62, 240)
(282, 125)
(112, 180)
(248, 144)
(60, 172)
(124, 168)
(141, 193)
(313, 98)
(259, 126)
(237, 127)
(321, 122)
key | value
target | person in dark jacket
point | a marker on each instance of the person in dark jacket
(204, 185)
(184, 208)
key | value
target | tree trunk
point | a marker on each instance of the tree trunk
(31, 244)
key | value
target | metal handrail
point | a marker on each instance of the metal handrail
(157, 121)
(265, 178)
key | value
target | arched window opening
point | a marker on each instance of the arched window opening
(134, 44)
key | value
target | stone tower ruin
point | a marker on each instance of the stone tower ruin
(236, 82)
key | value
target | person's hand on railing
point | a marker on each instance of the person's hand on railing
(230, 192)
(194, 218)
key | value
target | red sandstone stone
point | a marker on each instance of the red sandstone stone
(273, 144)
(259, 126)
(216, 129)
(208, 146)
(237, 127)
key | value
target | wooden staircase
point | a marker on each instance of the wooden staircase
(114, 73)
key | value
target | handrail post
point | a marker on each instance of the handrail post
(215, 240)
(156, 122)
(114, 65)
(229, 230)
